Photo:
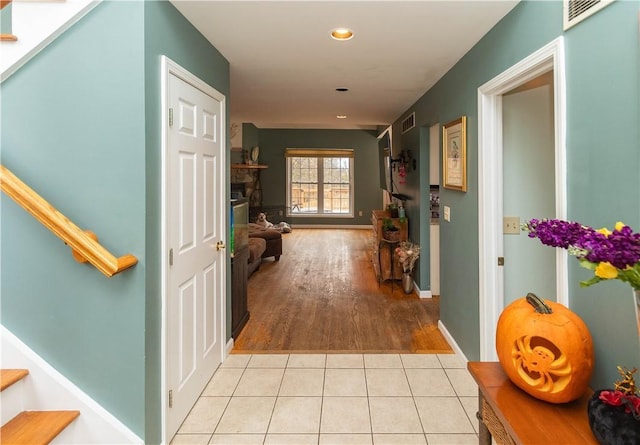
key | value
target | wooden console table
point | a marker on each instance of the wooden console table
(512, 416)
(383, 253)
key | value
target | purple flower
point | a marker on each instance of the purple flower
(620, 248)
(558, 233)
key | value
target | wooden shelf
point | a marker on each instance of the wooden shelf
(242, 166)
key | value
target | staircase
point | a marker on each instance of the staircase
(27, 427)
(29, 26)
(44, 389)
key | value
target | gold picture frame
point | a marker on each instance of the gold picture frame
(454, 155)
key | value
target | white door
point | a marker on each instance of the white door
(195, 228)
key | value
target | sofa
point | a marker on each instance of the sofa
(263, 243)
(257, 246)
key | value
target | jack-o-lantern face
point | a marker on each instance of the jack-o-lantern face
(545, 349)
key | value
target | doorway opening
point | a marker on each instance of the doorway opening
(549, 58)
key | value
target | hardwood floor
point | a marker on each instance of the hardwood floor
(324, 296)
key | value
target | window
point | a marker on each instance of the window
(319, 182)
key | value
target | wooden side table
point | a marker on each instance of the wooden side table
(391, 246)
(511, 416)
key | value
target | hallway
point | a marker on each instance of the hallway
(323, 296)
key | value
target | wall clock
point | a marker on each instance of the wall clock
(255, 151)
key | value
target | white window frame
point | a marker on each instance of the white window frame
(320, 154)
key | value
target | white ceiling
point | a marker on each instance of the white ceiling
(285, 67)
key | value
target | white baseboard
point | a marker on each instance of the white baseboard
(46, 389)
(228, 348)
(422, 293)
(447, 335)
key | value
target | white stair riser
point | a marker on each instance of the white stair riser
(70, 435)
(12, 401)
(46, 389)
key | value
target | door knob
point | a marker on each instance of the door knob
(220, 245)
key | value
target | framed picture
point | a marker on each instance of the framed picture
(454, 155)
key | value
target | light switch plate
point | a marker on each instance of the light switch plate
(511, 225)
(447, 213)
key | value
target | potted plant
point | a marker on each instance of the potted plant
(389, 231)
(407, 253)
(393, 210)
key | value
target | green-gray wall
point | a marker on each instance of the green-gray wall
(73, 123)
(367, 192)
(81, 125)
(603, 156)
(168, 33)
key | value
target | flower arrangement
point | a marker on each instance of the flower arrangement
(626, 394)
(407, 253)
(611, 255)
(614, 416)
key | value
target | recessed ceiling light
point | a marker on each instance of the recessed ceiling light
(341, 116)
(341, 34)
(342, 89)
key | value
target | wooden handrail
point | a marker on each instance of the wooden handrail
(84, 244)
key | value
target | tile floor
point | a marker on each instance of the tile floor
(325, 399)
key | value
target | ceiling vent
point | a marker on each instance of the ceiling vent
(575, 11)
(409, 122)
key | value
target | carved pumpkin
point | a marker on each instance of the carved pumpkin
(545, 349)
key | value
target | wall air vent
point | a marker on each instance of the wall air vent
(575, 11)
(409, 122)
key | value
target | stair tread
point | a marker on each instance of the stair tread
(36, 427)
(10, 376)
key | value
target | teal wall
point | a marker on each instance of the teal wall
(6, 24)
(250, 136)
(73, 128)
(168, 33)
(367, 192)
(416, 186)
(603, 161)
(603, 144)
(81, 125)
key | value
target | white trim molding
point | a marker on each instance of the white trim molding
(422, 293)
(490, 192)
(37, 24)
(449, 338)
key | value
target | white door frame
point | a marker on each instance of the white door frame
(169, 67)
(490, 198)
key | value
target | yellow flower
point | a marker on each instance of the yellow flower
(606, 270)
(604, 231)
(620, 226)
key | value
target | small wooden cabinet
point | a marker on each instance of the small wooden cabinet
(383, 252)
(239, 278)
